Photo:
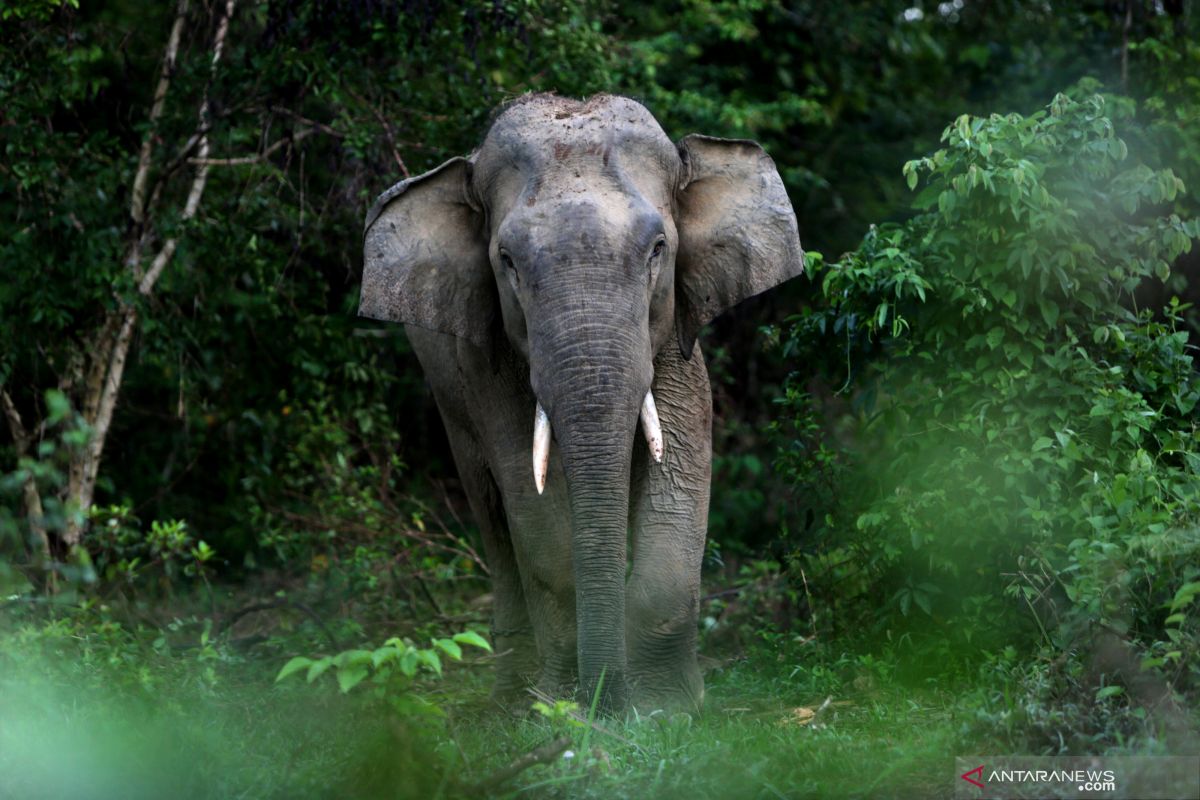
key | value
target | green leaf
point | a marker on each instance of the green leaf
(449, 647)
(430, 659)
(926, 198)
(350, 658)
(409, 662)
(1110, 691)
(1049, 311)
(383, 655)
(473, 639)
(349, 678)
(318, 668)
(922, 600)
(290, 668)
(57, 406)
(1185, 595)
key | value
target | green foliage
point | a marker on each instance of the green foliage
(1000, 447)
(841, 93)
(393, 669)
(253, 320)
(41, 472)
(124, 553)
(1010, 421)
(249, 368)
(147, 724)
(563, 713)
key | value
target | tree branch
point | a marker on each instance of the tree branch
(108, 366)
(545, 754)
(387, 129)
(1125, 46)
(192, 204)
(137, 204)
(15, 426)
(312, 123)
(257, 157)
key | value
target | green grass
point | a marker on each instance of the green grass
(106, 715)
(865, 743)
(91, 710)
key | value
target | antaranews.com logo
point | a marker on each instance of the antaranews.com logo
(1066, 777)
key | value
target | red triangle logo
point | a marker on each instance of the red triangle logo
(977, 771)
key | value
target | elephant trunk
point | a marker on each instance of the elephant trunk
(601, 377)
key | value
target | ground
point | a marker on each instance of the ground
(98, 706)
(100, 714)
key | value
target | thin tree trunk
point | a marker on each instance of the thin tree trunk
(34, 512)
(111, 351)
(1125, 46)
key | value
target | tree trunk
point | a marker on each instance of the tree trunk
(110, 353)
(34, 512)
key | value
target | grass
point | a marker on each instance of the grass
(750, 743)
(91, 710)
(102, 714)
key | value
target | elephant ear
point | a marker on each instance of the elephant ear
(737, 230)
(425, 258)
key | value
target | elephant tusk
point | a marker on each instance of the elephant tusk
(651, 428)
(541, 447)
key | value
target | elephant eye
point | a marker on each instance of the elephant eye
(510, 269)
(659, 246)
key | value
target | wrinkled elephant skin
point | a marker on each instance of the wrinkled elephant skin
(553, 284)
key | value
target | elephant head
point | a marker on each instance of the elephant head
(580, 236)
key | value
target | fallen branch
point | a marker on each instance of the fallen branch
(545, 754)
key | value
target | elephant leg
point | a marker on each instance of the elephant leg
(542, 537)
(539, 525)
(669, 518)
(513, 634)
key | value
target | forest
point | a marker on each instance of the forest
(955, 494)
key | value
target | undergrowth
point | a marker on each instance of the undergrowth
(190, 711)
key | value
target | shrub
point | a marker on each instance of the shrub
(1014, 445)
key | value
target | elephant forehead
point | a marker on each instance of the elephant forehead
(607, 218)
(541, 133)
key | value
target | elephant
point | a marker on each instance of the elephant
(552, 285)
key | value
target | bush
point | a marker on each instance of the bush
(1013, 454)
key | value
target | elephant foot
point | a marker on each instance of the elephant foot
(557, 688)
(516, 669)
(671, 692)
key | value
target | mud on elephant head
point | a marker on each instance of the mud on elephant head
(580, 250)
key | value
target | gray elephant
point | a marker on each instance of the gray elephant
(552, 285)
